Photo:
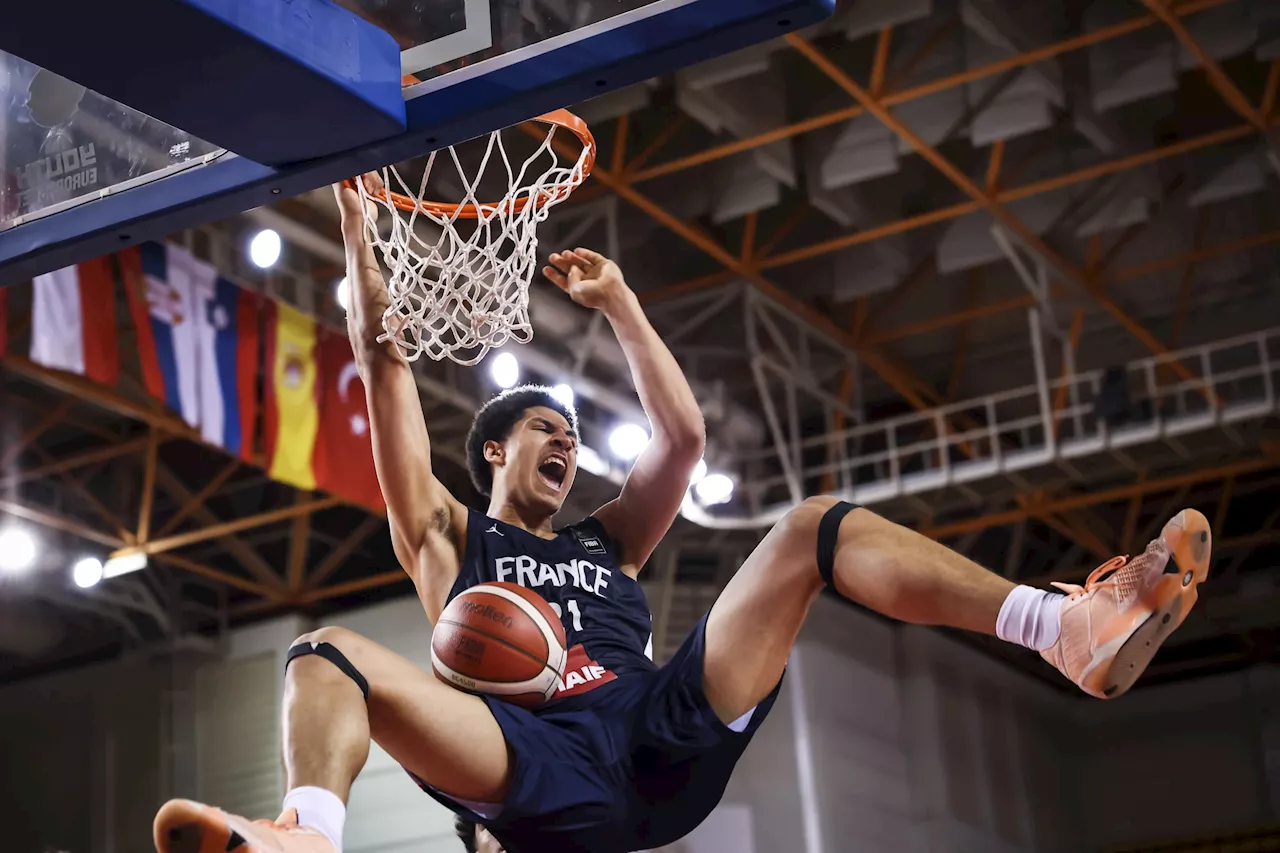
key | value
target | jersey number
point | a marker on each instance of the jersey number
(573, 611)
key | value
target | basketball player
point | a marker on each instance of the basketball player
(627, 755)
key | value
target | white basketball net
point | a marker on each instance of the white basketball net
(462, 293)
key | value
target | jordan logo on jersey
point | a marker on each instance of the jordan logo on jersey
(581, 674)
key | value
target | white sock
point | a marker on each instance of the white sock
(1030, 617)
(320, 809)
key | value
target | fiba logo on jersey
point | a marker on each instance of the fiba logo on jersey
(590, 544)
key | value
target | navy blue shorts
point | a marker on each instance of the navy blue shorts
(640, 767)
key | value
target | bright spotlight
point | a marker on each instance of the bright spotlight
(17, 550)
(627, 441)
(264, 248)
(124, 564)
(342, 291)
(87, 572)
(564, 394)
(699, 471)
(714, 489)
(505, 370)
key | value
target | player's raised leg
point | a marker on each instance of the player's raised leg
(340, 690)
(1100, 635)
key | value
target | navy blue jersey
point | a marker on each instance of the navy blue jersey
(606, 618)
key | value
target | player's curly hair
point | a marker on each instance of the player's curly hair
(466, 832)
(495, 421)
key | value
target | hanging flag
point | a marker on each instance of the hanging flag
(229, 368)
(4, 319)
(197, 342)
(344, 450)
(73, 321)
(292, 416)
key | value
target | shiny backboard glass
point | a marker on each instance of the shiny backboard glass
(439, 36)
(62, 144)
(82, 175)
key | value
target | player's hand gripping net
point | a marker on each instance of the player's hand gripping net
(460, 273)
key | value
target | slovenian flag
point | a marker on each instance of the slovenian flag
(197, 342)
(292, 417)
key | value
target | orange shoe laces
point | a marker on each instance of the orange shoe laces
(1095, 577)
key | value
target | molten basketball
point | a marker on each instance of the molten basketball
(500, 639)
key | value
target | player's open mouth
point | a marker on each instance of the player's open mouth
(553, 470)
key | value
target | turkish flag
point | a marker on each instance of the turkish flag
(344, 450)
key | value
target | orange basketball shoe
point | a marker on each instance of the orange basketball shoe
(183, 826)
(1113, 625)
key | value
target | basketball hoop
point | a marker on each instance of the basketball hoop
(459, 295)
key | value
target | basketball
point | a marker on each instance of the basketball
(500, 639)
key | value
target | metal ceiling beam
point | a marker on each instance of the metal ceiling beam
(242, 552)
(299, 543)
(101, 396)
(197, 500)
(30, 436)
(89, 499)
(1007, 219)
(1272, 89)
(335, 558)
(148, 486)
(189, 565)
(79, 460)
(894, 98)
(1217, 77)
(53, 521)
(1193, 257)
(1014, 303)
(897, 377)
(1066, 503)
(181, 540)
(1004, 196)
(883, 42)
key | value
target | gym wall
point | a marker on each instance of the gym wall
(885, 738)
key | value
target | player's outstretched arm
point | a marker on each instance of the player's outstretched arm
(428, 525)
(641, 515)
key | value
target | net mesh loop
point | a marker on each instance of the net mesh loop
(460, 272)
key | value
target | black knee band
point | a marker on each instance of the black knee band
(828, 533)
(330, 653)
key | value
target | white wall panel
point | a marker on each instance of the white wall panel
(387, 811)
(82, 760)
(238, 735)
(918, 743)
(1142, 756)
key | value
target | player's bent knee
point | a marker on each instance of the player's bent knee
(812, 529)
(333, 645)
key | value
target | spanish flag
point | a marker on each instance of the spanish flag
(292, 413)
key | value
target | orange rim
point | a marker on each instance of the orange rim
(468, 210)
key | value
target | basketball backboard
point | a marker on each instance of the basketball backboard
(82, 174)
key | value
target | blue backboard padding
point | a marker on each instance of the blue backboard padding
(277, 82)
(612, 59)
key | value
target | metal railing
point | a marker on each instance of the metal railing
(1099, 411)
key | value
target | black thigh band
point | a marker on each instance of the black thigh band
(330, 653)
(828, 533)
